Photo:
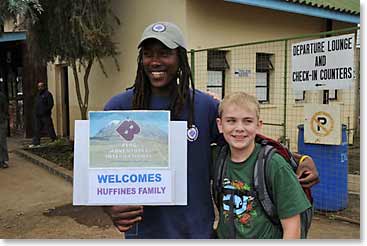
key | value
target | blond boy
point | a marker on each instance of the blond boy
(239, 122)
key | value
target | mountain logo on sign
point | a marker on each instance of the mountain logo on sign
(128, 129)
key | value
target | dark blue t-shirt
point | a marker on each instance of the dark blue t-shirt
(196, 219)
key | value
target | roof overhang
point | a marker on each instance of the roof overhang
(301, 9)
(12, 36)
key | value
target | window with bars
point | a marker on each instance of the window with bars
(264, 68)
(216, 66)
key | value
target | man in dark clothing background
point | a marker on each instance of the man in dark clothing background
(42, 115)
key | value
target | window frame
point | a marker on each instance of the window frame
(220, 68)
(266, 69)
(335, 95)
(298, 99)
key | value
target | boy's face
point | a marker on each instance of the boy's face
(239, 126)
(160, 63)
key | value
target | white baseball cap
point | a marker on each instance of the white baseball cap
(168, 33)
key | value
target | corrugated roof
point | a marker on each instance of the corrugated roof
(347, 6)
(339, 10)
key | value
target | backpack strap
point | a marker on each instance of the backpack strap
(260, 182)
(232, 228)
(220, 168)
(218, 173)
(221, 174)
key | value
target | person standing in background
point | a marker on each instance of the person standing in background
(42, 115)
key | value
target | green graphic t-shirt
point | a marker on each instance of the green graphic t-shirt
(250, 219)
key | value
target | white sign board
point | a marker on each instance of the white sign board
(322, 124)
(108, 186)
(323, 64)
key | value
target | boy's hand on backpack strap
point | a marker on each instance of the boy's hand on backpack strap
(307, 173)
(124, 217)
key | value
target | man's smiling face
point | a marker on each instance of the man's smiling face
(160, 63)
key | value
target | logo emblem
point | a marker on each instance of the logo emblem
(159, 28)
(192, 133)
(128, 129)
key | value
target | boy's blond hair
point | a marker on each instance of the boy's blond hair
(240, 99)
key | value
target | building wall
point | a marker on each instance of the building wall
(215, 23)
(134, 15)
(230, 23)
(9, 26)
(205, 23)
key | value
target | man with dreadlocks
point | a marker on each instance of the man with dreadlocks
(163, 83)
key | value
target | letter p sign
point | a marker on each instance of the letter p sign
(322, 124)
(322, 121)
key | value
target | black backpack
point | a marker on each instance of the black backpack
(260, 184)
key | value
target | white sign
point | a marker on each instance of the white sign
(242, 72)
(117, 186)
(141, 186)
(322, 124)
(323, 64)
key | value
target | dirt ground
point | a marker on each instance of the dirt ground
(354, 159)
(35, 204)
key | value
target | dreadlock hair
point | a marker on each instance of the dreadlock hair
(180, 91)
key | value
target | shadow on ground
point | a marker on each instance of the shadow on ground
(85, 215)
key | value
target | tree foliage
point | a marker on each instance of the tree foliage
(77, 32)
(70, 30)
(23, 9)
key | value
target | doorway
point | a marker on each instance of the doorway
(11, 82)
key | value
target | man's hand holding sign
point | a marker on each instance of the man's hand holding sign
(124, 217)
